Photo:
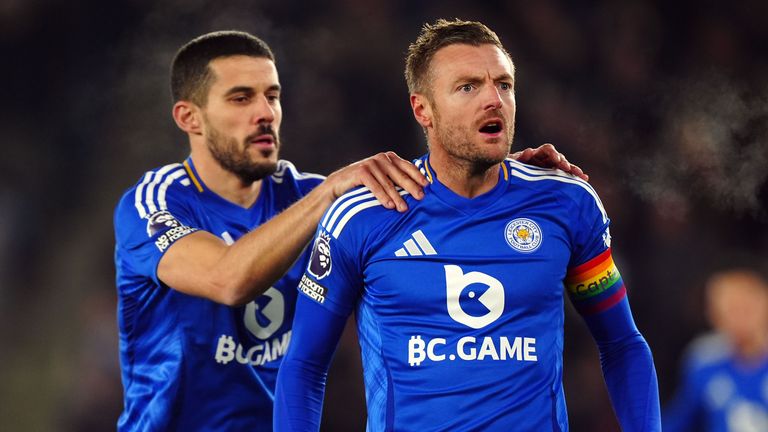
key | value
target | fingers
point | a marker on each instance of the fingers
(548, 154)
(384, 171)
(368, 178)
(578, 172)
(562, 163)
(523, 156)
(365, 173)
(406, 175)
(570, 168)
(381, 168)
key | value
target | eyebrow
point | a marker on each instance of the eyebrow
(249, 90)
(476, 78)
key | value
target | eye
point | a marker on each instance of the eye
(505, 86)
(273, 98)
(241, 99)
(466, 88)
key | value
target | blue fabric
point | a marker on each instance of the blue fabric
(719, 391)
(189, 363)
(459, 306)
(303, 381)
(628, 368)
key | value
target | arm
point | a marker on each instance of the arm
(301, 378)
(625, 357)
(628, 368)
(201, 264)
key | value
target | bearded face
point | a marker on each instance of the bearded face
(461, 141)
(472, 102)
(248, 160)
(242, 115)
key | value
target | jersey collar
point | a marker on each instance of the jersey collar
(467, 205)
(213, 198)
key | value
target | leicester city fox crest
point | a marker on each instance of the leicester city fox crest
(523, 235)
(320, 261)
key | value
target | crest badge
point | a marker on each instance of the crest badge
(523, 235)
(320, 261)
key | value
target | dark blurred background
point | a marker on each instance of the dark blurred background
(663, 103)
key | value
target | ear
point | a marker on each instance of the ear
(187, 116)
(422, 109)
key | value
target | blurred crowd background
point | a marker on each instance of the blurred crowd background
(663, 103)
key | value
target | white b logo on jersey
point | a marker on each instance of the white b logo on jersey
(492, 299)
(274, 311)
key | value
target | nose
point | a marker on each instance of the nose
(264, 112)
(492, 98)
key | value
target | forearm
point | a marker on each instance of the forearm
(299, 400)
(302, 375)
(631, 380)
(256, 261)
(628, 368)
(202, 264)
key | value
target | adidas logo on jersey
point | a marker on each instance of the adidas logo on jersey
(417, 245)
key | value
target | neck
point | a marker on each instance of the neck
(223, 182)
(466, 178)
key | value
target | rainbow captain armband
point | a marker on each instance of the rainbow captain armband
(596, 285)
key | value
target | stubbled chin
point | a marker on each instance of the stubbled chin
(496, 151)
(260, 153)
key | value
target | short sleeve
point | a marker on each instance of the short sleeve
(146, 226)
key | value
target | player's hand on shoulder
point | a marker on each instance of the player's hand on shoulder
(380, 173)
(547, 156)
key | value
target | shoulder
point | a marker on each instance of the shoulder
(287, 173)
(154, 190)
(547, 179)
(706, 351)
(555, 181)
(358, 211)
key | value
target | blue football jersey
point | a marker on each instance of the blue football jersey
(459, 302)
(720, 392)
(189, 363)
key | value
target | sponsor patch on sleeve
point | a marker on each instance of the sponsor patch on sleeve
(320, 261)
(170, 227)
(312, 289)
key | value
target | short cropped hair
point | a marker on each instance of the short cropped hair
(191, 76)
(438, 35)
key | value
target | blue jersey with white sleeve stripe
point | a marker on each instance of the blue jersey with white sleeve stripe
(721, 391)
(459, 305)
(189, 363)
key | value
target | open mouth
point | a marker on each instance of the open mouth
(492, 127)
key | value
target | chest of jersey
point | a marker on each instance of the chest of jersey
(257, 333)
(459, 306)
(449, 289)
(470, 271)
